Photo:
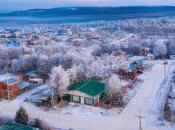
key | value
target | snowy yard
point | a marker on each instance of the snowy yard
(86, 112)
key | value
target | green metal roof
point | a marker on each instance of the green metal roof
(92, 88)
(15, 126)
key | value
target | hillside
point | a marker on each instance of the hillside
(96, 12)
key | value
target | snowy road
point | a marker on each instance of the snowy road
(141, 104)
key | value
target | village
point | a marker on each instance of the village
(88, 71)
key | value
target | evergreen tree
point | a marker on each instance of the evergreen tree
(21, 116)
(38, 124)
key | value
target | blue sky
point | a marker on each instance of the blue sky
(11, 5)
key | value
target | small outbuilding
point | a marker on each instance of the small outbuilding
(16, 126)
(86, 92)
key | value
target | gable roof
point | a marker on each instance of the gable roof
(9, 79)
(32, 73)
(16, 126)
(24, 84)
(92, 88)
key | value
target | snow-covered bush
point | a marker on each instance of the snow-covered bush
(113, 84)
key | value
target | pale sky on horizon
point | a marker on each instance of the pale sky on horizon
(11, 5)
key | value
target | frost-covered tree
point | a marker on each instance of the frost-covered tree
(60, 59)
(113, 89)
(80, 72)
(28, 62)
(171, 48)
(98, 70)
(73, 73)
(113, 83)
(16, 65)
(160, 49)
(59, 80)
(97, 51)
(42, 65)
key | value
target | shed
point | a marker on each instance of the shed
(42, 95)
(86, 91)
(16, 126)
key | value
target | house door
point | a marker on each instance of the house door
(82, 100)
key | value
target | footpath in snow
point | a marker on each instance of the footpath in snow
(141, 104)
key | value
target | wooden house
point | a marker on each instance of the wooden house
(86, 92)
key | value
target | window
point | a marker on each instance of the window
(88, 101)
(75, 98)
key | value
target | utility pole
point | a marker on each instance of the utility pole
(8, 87)
(165, 65)
(140, 121)
(8, 94)
(52, 98)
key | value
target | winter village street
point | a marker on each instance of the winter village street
(142, 104)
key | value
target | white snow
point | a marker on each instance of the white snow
(141, 104)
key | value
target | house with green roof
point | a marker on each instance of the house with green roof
(86, 92)
(16, 126)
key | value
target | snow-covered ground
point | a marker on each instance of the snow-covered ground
(141, 104)
(87, 112)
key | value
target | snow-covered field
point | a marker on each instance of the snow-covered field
(84, 118)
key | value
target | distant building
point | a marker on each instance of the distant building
(136, 63)
(30, 75)
(86, 92)
(16, 126)
(144, 51)
(35, 82)
(150, 56)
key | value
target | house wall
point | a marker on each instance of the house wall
(2, 88)
(10, 91)
(24, 90)
(25, 78)
(83, 100)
